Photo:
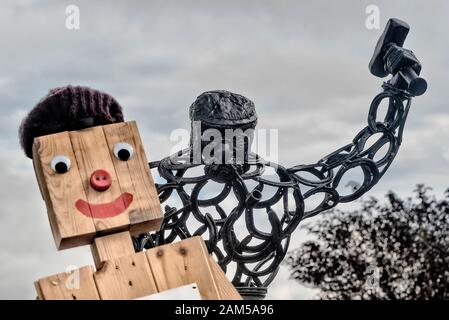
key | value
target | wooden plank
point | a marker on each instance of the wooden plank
(40, 295)
(111, 246)
(63, 286)
(134, 176)
(92, 153)
(225, 287)
(182, 263)
(61, 191)
(124, 278)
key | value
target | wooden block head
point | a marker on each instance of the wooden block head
(96, 181)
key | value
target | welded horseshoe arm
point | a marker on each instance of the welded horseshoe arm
(373, 148)
(372, 151)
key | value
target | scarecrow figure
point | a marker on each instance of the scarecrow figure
(248, 216)
(94, 178)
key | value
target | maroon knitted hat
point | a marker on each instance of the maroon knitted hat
(68, 108)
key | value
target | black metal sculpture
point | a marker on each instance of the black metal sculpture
(257, 254)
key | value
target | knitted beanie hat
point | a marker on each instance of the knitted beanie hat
(65, 109)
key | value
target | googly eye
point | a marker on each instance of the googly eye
(60, 164)
(123, 151)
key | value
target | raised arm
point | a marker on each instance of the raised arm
(231, 212)
(389, 58)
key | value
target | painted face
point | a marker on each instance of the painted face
(96, 181)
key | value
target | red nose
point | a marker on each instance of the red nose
(100, 180)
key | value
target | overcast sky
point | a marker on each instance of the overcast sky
(304, 65)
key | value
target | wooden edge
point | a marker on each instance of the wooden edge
(225, 287)
(40, 295)
(76, 241)
(37, 165)
(209, 266)
(145, 226)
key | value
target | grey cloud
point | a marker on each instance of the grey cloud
(303, 63)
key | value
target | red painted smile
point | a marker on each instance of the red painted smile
(105, 210)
